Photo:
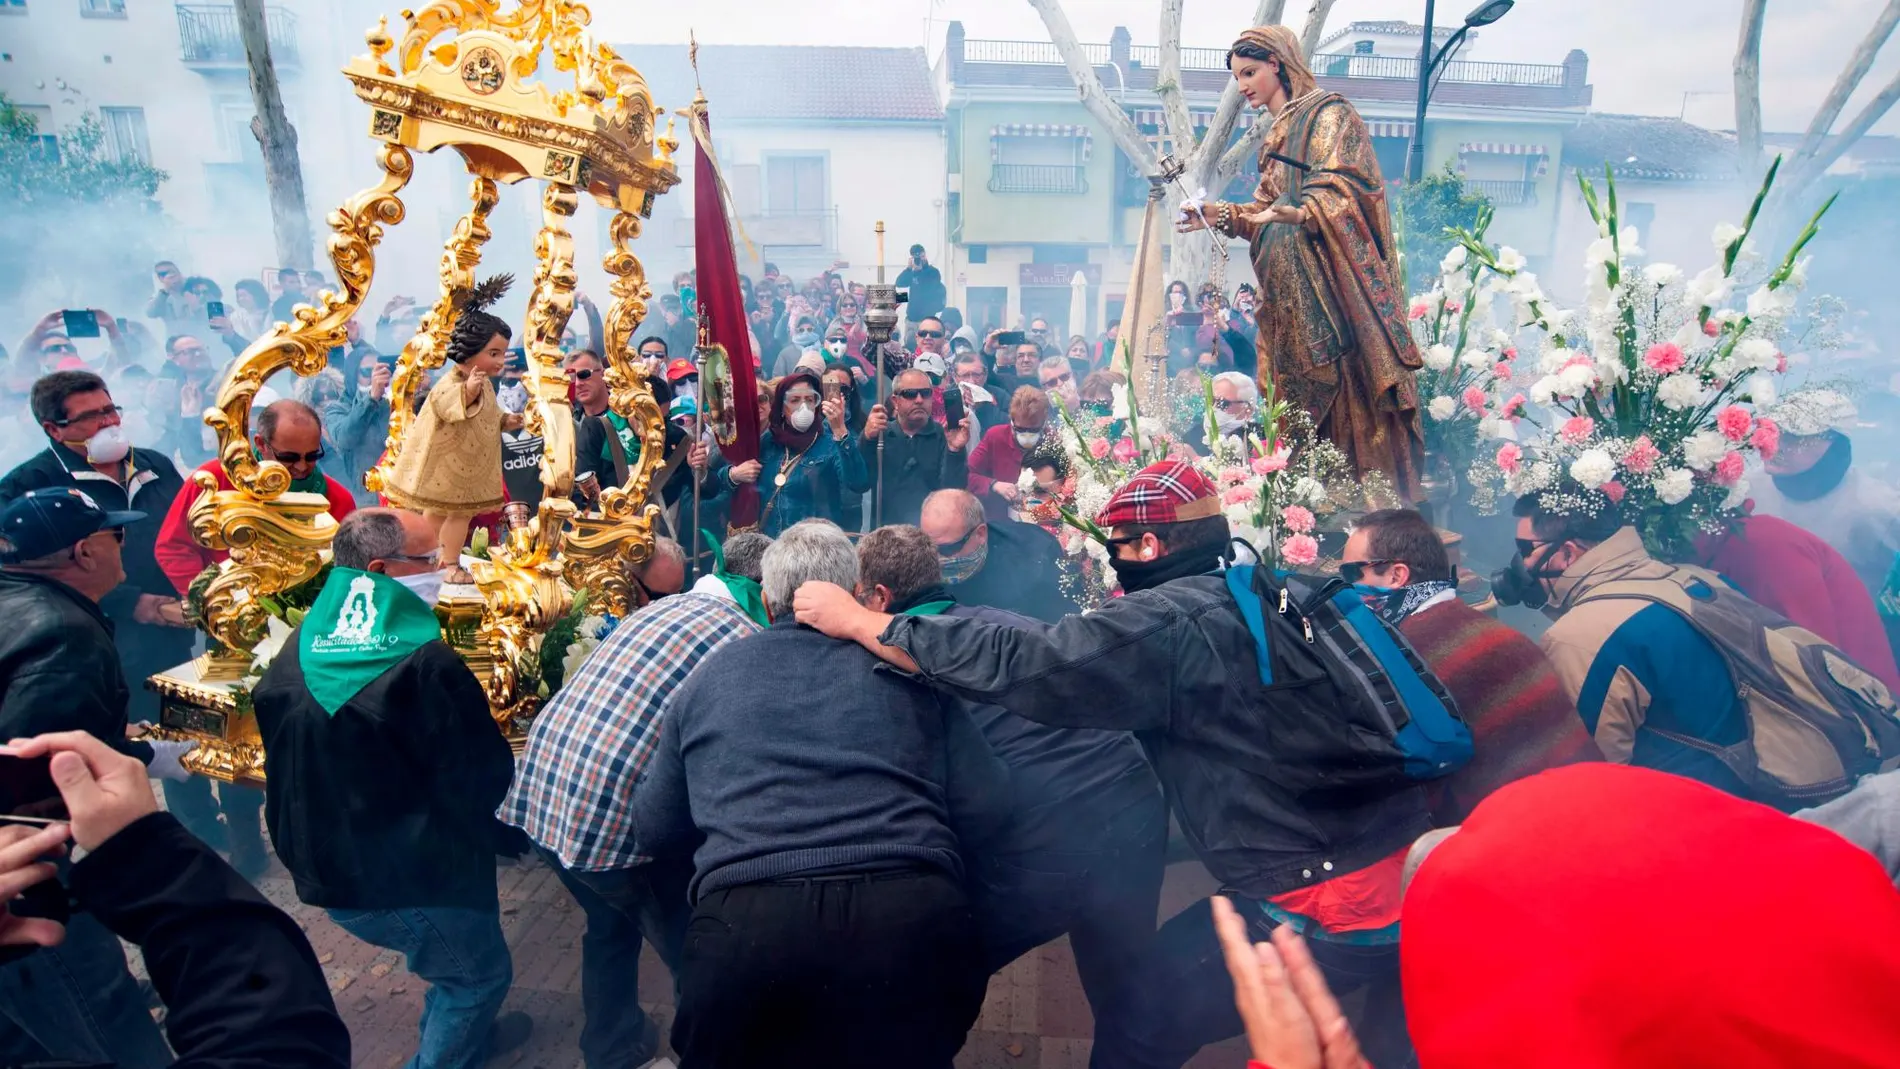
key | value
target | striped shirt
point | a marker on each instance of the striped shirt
(573, 788)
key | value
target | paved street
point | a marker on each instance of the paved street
(1034, 1018)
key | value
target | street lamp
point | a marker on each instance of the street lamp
(1483, 15)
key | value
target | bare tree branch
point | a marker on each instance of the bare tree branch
(1748, 86)
(1875, 110)
(1168, 81)
(1849, 80)
(1120, 127)
(1316, 26)
(1243, 150)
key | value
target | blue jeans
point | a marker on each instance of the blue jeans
(623, 906)
(78, 1002)
(462, 955)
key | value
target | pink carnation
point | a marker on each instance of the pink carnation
(1513, 408)
(1502, 370)
(1733, 422)
(1510, 353)
(1664, 359)
(1474, 399)
(1781, 363)
(1102, 422)
(1510, 458)
(1453, 306)
(1298, 518)
(1577, 429)
(1421, 309)
(1712, 328)
(1614, 491)
(1728, 470)
(1124, 451)
(1098, 448)
(1300, 550)
(1642, 456)
(1269, 465)
(1767, 438)
(1232, 476)
(1239, 494)
(1160, 440)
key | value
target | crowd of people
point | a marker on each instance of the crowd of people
(843, 766)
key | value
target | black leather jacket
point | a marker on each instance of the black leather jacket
(58, 668)
(1175, 665)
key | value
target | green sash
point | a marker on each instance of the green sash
(362, 625)
(744, 591)
(929, 608)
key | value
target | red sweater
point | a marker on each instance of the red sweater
(997, 458)
(180, 556)
(1521, 721)
(1792, 571)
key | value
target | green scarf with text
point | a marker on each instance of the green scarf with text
(362, 625)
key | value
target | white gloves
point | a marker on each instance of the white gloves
(167, 758)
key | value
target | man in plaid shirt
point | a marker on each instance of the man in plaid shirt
(574, 785)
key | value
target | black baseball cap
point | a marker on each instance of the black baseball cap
(43, 522)
(915, 249)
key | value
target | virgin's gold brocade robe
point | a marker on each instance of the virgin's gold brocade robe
(1333, 331)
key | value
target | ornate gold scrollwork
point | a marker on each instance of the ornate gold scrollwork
(429, 348)
(275, 537)
(601, 547)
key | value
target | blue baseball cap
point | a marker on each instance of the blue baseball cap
(43, 522)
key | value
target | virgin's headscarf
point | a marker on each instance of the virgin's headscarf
(1284, 45)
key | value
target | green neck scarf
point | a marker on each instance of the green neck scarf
(928, 608)
(313, 483)
(362, 625)
(744, 591)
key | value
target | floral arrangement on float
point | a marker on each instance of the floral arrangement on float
(1466, 381)
(1652, 395)
(1277, 489)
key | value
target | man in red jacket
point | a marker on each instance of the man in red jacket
(289, 432)
(1521, 720)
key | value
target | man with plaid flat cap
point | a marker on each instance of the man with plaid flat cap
(1174, 662)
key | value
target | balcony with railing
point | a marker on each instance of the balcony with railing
(981, 51)
(1504, 193)
(1037, 178)
(209, 39)
(1405, 69)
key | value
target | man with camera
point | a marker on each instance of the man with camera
(925, 286)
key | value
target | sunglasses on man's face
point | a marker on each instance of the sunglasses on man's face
(951, 549)
(582, 374)
(922, 394)
(298, 458)
(930, 334)
(1353, 571)
(1053, 381)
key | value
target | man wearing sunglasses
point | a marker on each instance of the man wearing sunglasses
(920, 456)
(997, 564)
(1521, 720)
(59, 672)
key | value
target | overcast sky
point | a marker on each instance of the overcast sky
(1644, 54)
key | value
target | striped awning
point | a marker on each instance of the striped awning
(1501, 148)
(1075, 132)
(1389, 128)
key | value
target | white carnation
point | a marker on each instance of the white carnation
(1760, 389)
(1726, 234)
(1454, 260)
(1709, 288)
(1500, 339)
(1554, 360)
(1737, 494)
(1439, 358)
(1490, 427)
(1543, 391)
(1309, 491)
(1674, 486)
(1593, 467)
(1026, 482)
(1576, 380)
(1662, 274)
(1703, 449)
(1759, 354)
(1679, 392)
(1442, 408)
(1477, 359)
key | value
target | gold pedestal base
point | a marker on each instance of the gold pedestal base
(215, 714)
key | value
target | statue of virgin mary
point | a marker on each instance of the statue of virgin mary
(1333, 334)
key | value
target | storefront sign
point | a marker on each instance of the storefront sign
(1058, 274)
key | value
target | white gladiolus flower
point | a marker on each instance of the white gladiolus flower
(1454, 260)
(1679, 391)
(1598, 254)
(1593, 467)
(1627, 242)
(1726, 234)
(1760, 389)
(1757, 353)
(1662, 274)
(1439, 358)
(1455, 287)
(1709, 288)
(1689, 337)
(1476, 359)
(1798, 274)
(1442, 408)
(1674, 486)
(1560, 320)
(1765, 303)
(1612, 371)
(1511, 261)
(1702, 449)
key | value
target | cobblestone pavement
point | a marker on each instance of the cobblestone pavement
(1033, 1018)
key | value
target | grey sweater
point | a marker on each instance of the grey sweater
(835, 764)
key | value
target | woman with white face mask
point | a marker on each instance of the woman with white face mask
(809, 461)
(997, 462)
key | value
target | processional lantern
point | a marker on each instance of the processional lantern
(462, 76)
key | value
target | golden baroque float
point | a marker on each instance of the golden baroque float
(461, 77)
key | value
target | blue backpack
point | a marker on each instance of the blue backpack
(1351, 707)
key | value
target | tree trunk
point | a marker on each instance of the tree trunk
(1811, 169)
(283, 176)
(1851, 75)
(1169, 88)
(1315, 27)
(1748, 87)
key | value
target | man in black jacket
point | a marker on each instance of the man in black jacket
(241, 987)
(58, 672)
(1174, 661)
(830, 924)
(925, 285)
(383, 769)
(1010, 566)
(1083, 853)
(88, 450)
(920, 455)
